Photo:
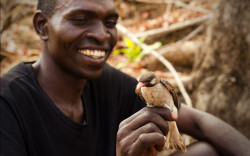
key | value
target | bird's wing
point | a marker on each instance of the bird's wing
(172, 92)
(138, 92)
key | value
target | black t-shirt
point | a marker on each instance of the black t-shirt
(32, 125)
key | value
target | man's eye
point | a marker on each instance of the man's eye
(111, 23)
(80, 20)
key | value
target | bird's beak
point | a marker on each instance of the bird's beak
(140, 84)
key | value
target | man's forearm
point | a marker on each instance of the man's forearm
(219, 134)
(224, 137)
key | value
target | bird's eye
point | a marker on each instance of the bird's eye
(153, 81)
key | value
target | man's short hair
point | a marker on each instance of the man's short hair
(46, 6)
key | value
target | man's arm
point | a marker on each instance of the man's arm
(143, 133)
(206, 127)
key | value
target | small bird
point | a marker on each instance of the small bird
(159, 92)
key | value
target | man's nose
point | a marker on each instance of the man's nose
(99, 33)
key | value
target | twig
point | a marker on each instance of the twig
(184, 5)
(28, 3)
(17, 6)
(178, 3)
(169, 7)
(174, 27)
(11, 13)
(125, 32)
(168, 48)
(7, 54)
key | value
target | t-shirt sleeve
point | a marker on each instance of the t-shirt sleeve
(12, 139)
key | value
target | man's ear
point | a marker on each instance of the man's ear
(40, 22)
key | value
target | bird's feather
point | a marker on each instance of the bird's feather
(172, 91)
(138, 92)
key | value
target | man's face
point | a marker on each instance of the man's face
(82, 34)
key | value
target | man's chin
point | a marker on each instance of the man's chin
(94, 74)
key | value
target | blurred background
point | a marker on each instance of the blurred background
(200, 46)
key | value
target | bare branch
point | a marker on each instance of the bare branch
(167, 48)
(178, 3)
(174, 27)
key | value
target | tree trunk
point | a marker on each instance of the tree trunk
(222, 81)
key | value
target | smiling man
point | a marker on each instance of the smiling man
(77, 37)
(71, 103)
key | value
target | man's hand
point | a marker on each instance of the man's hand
(144, 132)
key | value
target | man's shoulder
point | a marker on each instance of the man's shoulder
(20, 70)
(15, 80)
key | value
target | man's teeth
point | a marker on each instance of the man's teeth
(93, 53)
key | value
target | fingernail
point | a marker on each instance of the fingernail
(165, 139)
(174, 115)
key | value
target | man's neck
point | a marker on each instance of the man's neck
(63, 89)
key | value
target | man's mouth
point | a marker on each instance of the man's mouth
(93, 53)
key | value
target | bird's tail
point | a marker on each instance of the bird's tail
(174, 139)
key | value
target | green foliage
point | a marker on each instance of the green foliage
(134, 52)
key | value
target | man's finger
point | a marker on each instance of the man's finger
(164, 112)
(148, 140)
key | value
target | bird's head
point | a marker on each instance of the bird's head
(148, 79)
